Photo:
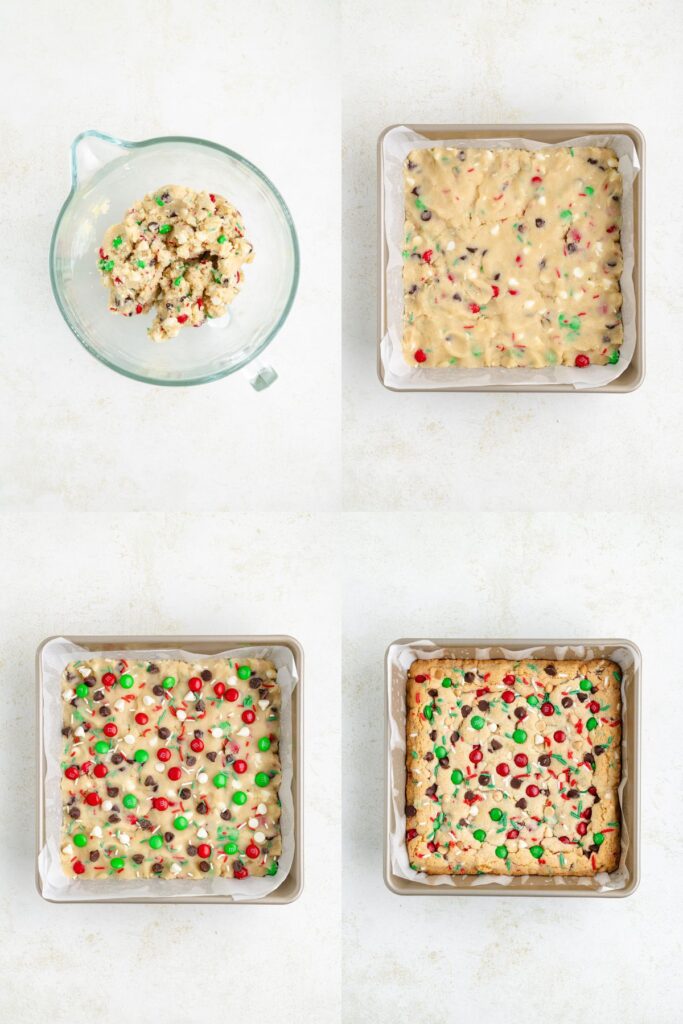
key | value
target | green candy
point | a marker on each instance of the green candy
(117, 241)
(159, 201)
(230, 848)
(536, 851)
(532, 700)
(180, 822)
(264, 743)
(81, 690)
(446, 682)
(141, 264)
(495, 814)
(479, 835)
(591, 724)
(107, 265)
(244, 672)
(457, 777)
(565, 214)
(130, 800)
(164, 229)
(141, 756)
(220, 780)
(519, 736)
(501, 852)
(101, 747)
(177, 281)
(117, 863)
(239, 797)
(221, 239)
(80, 839)
(127, 681)
(428, 712)
(477, 722)
(589, 190)
(614, 357)
(156, 842)
(262, 779)
(168, 683)
(598, 838)
(272, 868)
(440, 752)
(586, 685)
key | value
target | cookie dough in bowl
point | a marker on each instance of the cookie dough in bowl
(177, 251)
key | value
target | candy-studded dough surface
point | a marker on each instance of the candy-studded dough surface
(513, 767)
(512, 258)
(170, 769)
(177, 251)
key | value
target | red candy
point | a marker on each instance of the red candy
(160, 803)
(503, 768)
(582, 360)
(587, 814)
(582, 828)
(547, 709)
(240, 872)
(108, 678)
(532, 790)
(240, 767)
(164, 754)
(474, 308)
(181, 319)
(138, 308)
(411, 833)
(219, 689)
(248, 716)
(204, 850)
(141, 718)
(594, 707)
(427, 255)
(79, 867)
(536, 180)
(231, 693)
(508, 696)
(253, 851)
(99, 771)
(431, 846)
(513, 833)
(508, 679)
(521, 760)
(420, 679)
(420, 356)
(496, 290)
(195, 684)
(72, 772)
(559, 736)
(197, 745)
(212, 197)
(110, 729)
(476, 756)
(174, 774)
(92, 800)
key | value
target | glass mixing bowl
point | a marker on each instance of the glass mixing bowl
(108, 175)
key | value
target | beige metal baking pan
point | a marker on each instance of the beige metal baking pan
(291, 887)
(630, 799)
(633, 375)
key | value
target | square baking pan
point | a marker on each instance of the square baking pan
(630, 797)
(633, 375)
(291, 886)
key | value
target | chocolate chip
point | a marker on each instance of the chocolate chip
(484, 779)
(199, 706)
(74, 812)
(572, 794)
(412, 289)
(152, 669)
(95, 855)
(157, 869)
(226, 815)
(229, 758)
(169, 837)
(255, 682)
(429, 756)
(202, 807)
(598, 750)
(113, 819)
(469, 677)
(589, 759)
(455, 736)
(457, 296)
(164, 733)
(469, 796)
(583, 697)
(431, 791)
(465, 710)
(137, 858)
(191, 850)
(117, 758)
(550, 670)
(515, 783)
(98, 695)
(410, 165)
(544, 760)
(185, 793)
(158, 690)
(521, 803)
(198, 733)
(444, 762)
(212, 755)
(594, 848)
(592, 160)
(66, 731)
(496, 745)
(425, 215)
(520, 713)
(206, 674)
(433, 693)
(567, 702)
(470, 250)
(204, 866)
(112, 790)
(190, 760)
(433, 735)
(410, 811)
(105, 710)
(145, 824)
(540, 223)
(572, 247)
(496, 277)
(483, 705)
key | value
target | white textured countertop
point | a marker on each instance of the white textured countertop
(511, 515)
(128, 509)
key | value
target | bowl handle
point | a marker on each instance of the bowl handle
(260, 376)
(90, 151)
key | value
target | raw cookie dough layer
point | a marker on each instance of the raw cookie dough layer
(178, 251)
(513, 767)
(512, 258)
(170, 769)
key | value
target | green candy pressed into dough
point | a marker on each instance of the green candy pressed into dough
(512, 258)
(179, 252)
(112, 829)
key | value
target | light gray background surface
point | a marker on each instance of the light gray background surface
(511, 515)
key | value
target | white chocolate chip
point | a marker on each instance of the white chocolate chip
(538, 740)
(181, 715)
(578, 272)
(232, 681)
(259, 837)
(450, 247)
(541, 200)
(129, 739)
(80, 731)
(107, 805)
(120, 705)
(495, 229)
(175, 868)
(261, 809)
(69, 695)
(263, 704)
(492, 727)
(513, 282)
(68, 850)
(124, 838)
(243, 731)
(217, 731)
(158, 767)
(202, 833)
(147, 700)
(189, 696)
(202, 777)
(253, 823)
(96, 832)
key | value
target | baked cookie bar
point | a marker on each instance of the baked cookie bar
(177, 251)
(513, 767)
(512, 258)
(170, 768)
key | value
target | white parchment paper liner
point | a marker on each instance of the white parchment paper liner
(396, 145)
(56, 886)
(401, 657)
